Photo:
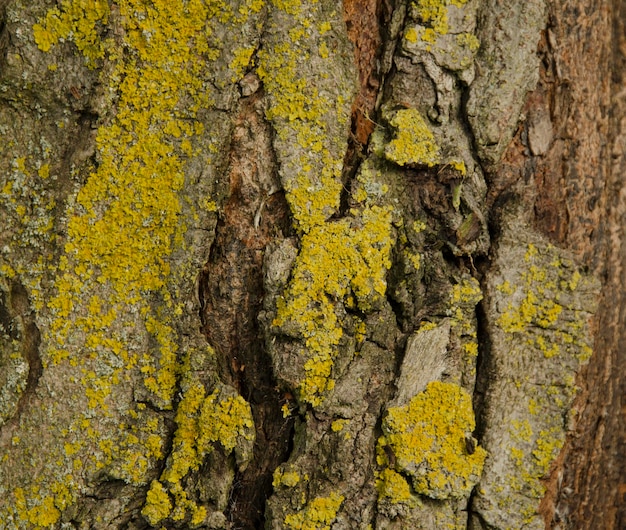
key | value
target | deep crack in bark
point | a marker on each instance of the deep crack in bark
(30, 339)
(231, 288)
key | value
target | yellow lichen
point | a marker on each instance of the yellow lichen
(414, 142)
(418, 226)
(426, 326)
(285, 478)
(203, 421)
(223, 421)
(337, 259)
(117, 296)
(540, 307)
(312, 196)
(434, 13)
(441, 34)
(411, 35)
(158, 505)
(309, 108)
(548, 446)
(338, 425)
(324, 27)
(532, 454)
(324, 51)
(76, 21)
(459, 165)
(317, 515)
(393, 487)
(127, 221)
(463, 299)
(44, 171)
(467, 291)
(427, 437)
(303, 111)
(240, 62)
(415, 259)
(43, 512)
(544, 319)
(522, 430)
(468, 40)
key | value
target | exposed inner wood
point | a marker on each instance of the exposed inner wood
(232, 292)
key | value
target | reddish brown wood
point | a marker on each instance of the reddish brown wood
(362, 22)
(581, 205)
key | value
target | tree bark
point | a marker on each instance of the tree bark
(301, 264)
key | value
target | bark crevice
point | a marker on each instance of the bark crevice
(23, 328)
(231, 287)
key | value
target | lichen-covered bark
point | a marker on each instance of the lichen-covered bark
(109, 196)
(538, 310)
(301, 264)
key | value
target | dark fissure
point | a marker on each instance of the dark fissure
(30, 339)
(231, 290)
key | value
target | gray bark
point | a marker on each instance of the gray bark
(295, 264)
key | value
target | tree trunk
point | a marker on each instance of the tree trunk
(297, 264)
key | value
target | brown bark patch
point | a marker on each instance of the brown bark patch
(363, 26)
(593, 489)
(569, 139)
(231, 289)
(567, 127)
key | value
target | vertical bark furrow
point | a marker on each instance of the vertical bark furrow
(363, 23)
(231, 285)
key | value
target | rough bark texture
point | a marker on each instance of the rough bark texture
(301, 264)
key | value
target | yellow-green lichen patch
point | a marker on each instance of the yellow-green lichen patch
(240, 62)
(393, 487)
(127, 219)
(32, 507)
(466, 292)
(285, 477)
(113, 318)
(309, 94)
(535, 304)
(337, 259)
(313, 193)
(224, 421)
(338, 425)
(158, 504)
(450, 39)
(78, 21)
(370, 187)
(202, 422)
(459, 165)
(43, 513)
(414, 143)
(464, 297)
(534, 449)
(434, 13)
(427, 437)
(28, 220)
(528, 480)
(317, 514)
(412, 35)
(468, 40)
(538, 309)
